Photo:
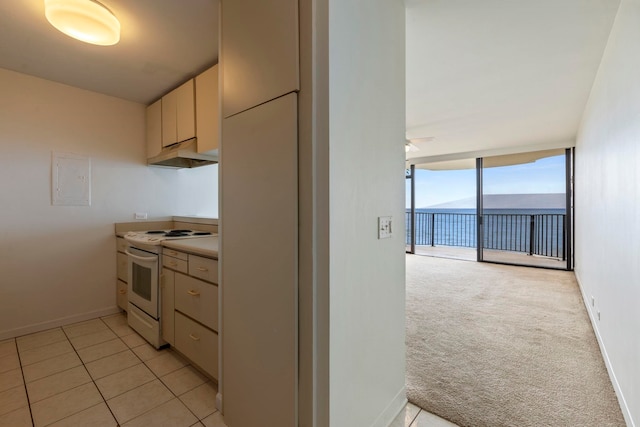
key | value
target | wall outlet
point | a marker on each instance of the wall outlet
(384, 227)
(140, 215)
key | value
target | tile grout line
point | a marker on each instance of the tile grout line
(24, 382)
(146, 366)
(168, 348)
(92, 380)
(413, 421)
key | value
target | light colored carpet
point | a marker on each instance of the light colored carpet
(493, 345)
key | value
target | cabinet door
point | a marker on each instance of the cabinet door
(169, 118)
(121, 295)
(122, 267)
(154, 128)
(260, 52)
(207, 111)
(167, 304)
(186, 112)
(259, 292)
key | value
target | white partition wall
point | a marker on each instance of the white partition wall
(366, 181)
(608, 208)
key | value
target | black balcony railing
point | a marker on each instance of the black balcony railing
(535, 234)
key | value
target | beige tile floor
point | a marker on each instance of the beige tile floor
(413, 416)
(100, 373)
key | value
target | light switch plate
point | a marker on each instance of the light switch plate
(384, 227)
(140, 215)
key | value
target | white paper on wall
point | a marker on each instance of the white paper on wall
(70, 180)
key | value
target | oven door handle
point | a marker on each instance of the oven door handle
(141, 258)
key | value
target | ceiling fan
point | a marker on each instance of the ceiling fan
(410, 144)
(410, 147)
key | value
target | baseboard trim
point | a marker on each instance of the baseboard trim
(43, 326)
(392, 410)
(626, 412)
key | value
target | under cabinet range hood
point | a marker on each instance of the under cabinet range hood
(182, 155)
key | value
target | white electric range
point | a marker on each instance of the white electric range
(144, 251)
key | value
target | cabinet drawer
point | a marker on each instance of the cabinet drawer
(203, 268)
(197, 343)
(197, 299)
(174, 263)
(121, 244)
(121, 295)
(122, 270)
(175, 254)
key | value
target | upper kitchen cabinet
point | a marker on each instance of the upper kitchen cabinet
(154, 128)
(178, 114)
(259, 45)
(207, 110)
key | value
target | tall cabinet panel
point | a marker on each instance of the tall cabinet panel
(259, 247)
(260, 50)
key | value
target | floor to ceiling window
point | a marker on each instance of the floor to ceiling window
(445, 209)
(515, 206)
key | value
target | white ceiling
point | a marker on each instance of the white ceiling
(481, 75)
(163, 43)
(500, 76)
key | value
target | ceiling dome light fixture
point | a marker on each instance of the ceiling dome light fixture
(85, 20)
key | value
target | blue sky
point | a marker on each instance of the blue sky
(435, 187)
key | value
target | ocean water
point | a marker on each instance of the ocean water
(536, 231)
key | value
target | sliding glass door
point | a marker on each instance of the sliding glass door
(525, 219)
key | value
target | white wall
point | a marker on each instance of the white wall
(366, 180)
(608, 207)
(57, 263)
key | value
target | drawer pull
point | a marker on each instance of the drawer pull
(202, 269)
(123, 291)
(174, 253)
(193, 293)
(193, 337)
(172, 263)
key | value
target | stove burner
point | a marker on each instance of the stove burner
(201, 233)
(175, 233)
(179, 231)
(155, 232)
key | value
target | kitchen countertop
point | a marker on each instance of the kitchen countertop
(203, 246)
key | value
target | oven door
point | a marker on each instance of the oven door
(143, 280)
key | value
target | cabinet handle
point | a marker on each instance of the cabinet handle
(193, 293)
(202, 269)
(123, 291)
(172, 263)
(193, 337)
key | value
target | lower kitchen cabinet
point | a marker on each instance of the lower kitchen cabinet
(167, 305)
(197, 299)
(121, 294)
(198, 343)
(190, 307)
(122, 272)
